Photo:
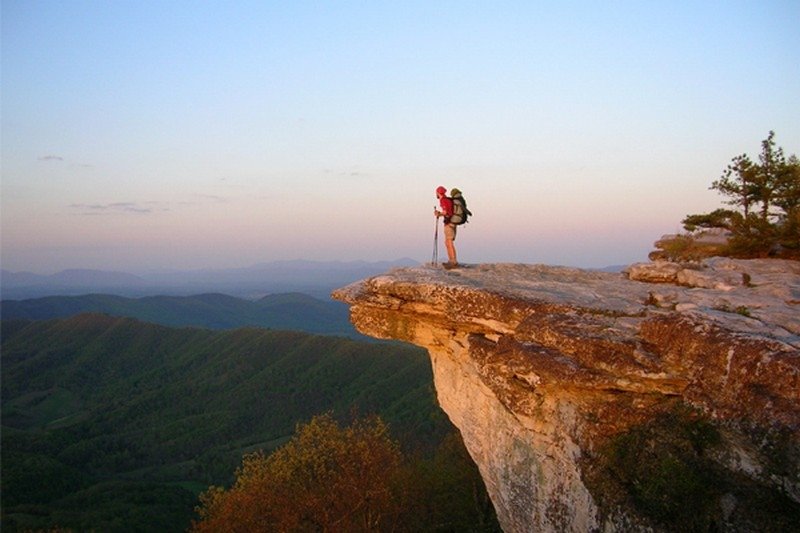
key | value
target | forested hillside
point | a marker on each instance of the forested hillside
(116, 424)
(290, 311)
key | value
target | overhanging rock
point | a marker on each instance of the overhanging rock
(538, 366)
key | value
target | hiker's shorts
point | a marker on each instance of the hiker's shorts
(450, 231)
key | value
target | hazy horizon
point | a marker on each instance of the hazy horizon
(145, 270)
(161, 271)
(149, 135)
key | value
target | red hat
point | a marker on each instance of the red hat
(441, 190)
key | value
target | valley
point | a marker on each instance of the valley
(115, 424)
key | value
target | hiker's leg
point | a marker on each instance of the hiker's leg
(451, 251)
(450, 237)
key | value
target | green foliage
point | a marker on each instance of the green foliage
(429, 502)
(662, 465)
(787, 195)
(719, 218)
(739, 182)
(757, 189)
(666, 470)
(685, 248)
(662, 468)
(752, 237)
(93, 400)
(37, 478)
(118, 505)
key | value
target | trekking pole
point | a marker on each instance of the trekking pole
(435, 259)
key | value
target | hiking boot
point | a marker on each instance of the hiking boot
(450, 266)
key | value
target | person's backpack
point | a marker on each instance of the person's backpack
(460, 211)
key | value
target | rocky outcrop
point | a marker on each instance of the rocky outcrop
(542, 368)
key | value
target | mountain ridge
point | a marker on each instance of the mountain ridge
(289, 311)
(313, 277)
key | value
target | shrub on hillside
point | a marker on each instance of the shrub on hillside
(354, 478)
(326, 478)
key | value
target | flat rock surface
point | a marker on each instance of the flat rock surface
(758, 297)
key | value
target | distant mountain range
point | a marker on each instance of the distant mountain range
(291, 311)
(317, 278)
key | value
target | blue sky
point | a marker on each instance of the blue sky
(143, 135)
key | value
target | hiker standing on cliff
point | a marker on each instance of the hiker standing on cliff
(446, 205)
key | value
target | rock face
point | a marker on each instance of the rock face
(540, 366)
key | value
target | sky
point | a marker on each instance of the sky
(146, 135)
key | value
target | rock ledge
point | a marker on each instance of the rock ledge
(538, 366)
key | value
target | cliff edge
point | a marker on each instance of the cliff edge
(587, 398)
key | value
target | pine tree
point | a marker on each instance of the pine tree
(757, 189)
